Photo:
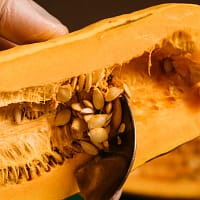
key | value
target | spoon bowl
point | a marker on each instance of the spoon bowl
(102, 176)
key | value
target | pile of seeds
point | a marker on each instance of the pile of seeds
(85, 115)
(89, 108)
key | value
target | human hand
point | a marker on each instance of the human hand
(24, 21)
(117, 195)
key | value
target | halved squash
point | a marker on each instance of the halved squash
(154, 52)
(173, 175)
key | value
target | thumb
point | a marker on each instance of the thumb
(25, 21)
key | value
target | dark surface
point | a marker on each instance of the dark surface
(79, 13)
(76, 14)
(131, 197)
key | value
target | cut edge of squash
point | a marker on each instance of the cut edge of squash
(129, 36)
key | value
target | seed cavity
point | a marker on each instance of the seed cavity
(83, 116)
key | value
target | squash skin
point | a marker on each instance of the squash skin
(127, 37)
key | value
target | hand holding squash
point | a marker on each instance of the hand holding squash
(24, 22)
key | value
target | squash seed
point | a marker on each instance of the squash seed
(122, 128)
(79, 125)
(5, 175)
(79, 115)
(63, 117)
(98, 145)
(108, 107)
(56, 139)
(112, 93)
(32, 114)
(67, 134)
(167, 65)
(35, 115)
(98, 99)
(17, 115)
(127, 90)
(13, 175)
(87, 117)
(107, 128)
(87, 111)
(119, 140)
(2, 179)
(77, 147)
(116, 116)
(32, 172)
(98, 76)
(106, 144)
(88, 82)
(196, 86)
(97, 121)
(77, 135)
(88, 104)
(64, 93)
(76, 106)
(98, 135)
(108, 120)
(81, 82)
(74, 83)
(89, 148)
(57, 158)
(24, 172)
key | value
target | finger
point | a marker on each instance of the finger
(117, 195)
(25, 21)
(6, 44)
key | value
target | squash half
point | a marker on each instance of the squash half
(155, 52)
(173, 175)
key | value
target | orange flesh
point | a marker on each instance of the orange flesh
(159, 100)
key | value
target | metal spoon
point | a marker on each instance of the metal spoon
(104, 175)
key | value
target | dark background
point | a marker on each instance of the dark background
(76, 14)
(79, 13)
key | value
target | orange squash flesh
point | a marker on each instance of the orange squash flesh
(176, 174)
(165, 106)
